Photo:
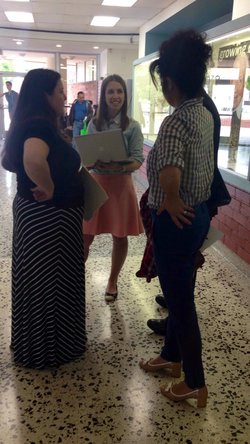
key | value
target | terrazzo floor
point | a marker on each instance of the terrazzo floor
(105, 398)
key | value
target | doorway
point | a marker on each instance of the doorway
(17, 80)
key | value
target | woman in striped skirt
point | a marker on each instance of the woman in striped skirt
(48, 284)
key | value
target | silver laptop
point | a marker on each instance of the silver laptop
(105, 146)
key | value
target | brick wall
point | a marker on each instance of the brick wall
(233, 220)
(89, 88)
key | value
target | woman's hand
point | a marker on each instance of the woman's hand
(41, 195)
(37, 168)
(180, 213)
(110, 166)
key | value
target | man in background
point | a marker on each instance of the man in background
(80, 110)
(11, 97)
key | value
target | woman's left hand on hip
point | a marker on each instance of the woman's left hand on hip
(179, 212)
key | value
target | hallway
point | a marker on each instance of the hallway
(105, 398)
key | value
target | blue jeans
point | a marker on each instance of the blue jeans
(174, 252)
(77, 126)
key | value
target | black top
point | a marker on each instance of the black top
(64, 163)
(219, 193)
(210, 105)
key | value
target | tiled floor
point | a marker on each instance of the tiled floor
(105, 398)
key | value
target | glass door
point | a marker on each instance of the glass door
(16, 80)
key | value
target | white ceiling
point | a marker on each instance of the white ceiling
(68, 20)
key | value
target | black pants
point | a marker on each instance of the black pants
(174, 252)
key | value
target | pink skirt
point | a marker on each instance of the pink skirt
(120, 214)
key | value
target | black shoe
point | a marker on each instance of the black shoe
(158, 325)
(160, 299)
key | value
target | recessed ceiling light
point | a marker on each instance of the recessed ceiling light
(23, 17)
(58, 46)
(19, 43)
(123, 3)
(104, 20)
(95, 47)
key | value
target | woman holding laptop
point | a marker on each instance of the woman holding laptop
(120, 215)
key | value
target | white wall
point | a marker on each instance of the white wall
(103, 63)
(117, 61)
(241, 8)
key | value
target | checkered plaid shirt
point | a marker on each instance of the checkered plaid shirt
(185, 140)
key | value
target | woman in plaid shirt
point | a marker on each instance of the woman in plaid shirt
(180, 170)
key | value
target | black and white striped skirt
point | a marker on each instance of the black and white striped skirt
(48, 284)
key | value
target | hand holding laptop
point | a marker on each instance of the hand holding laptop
(115, 167)
(106, 147)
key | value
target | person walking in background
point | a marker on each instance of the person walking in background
(81, 110)
(120, 215)
(48, 284)
(11, 97)
(95, 107)
(180, 170)
(91, 112)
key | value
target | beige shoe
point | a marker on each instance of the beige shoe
(173, 368)
(184, 392)
(111, 297)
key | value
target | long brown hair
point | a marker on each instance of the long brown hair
(102, 113)
(32, 104)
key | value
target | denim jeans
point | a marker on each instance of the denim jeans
(174, 252)
(77, 126)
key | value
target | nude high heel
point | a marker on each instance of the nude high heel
(199, 394)
(172, 368)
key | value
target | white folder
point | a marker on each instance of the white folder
(94, 195)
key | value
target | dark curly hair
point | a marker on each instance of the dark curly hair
(183, 58)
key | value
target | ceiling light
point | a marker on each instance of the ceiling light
(95, 47)
(22, 17)
(100, 20)
(124, 3)
(58, 46)
(19, 43)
